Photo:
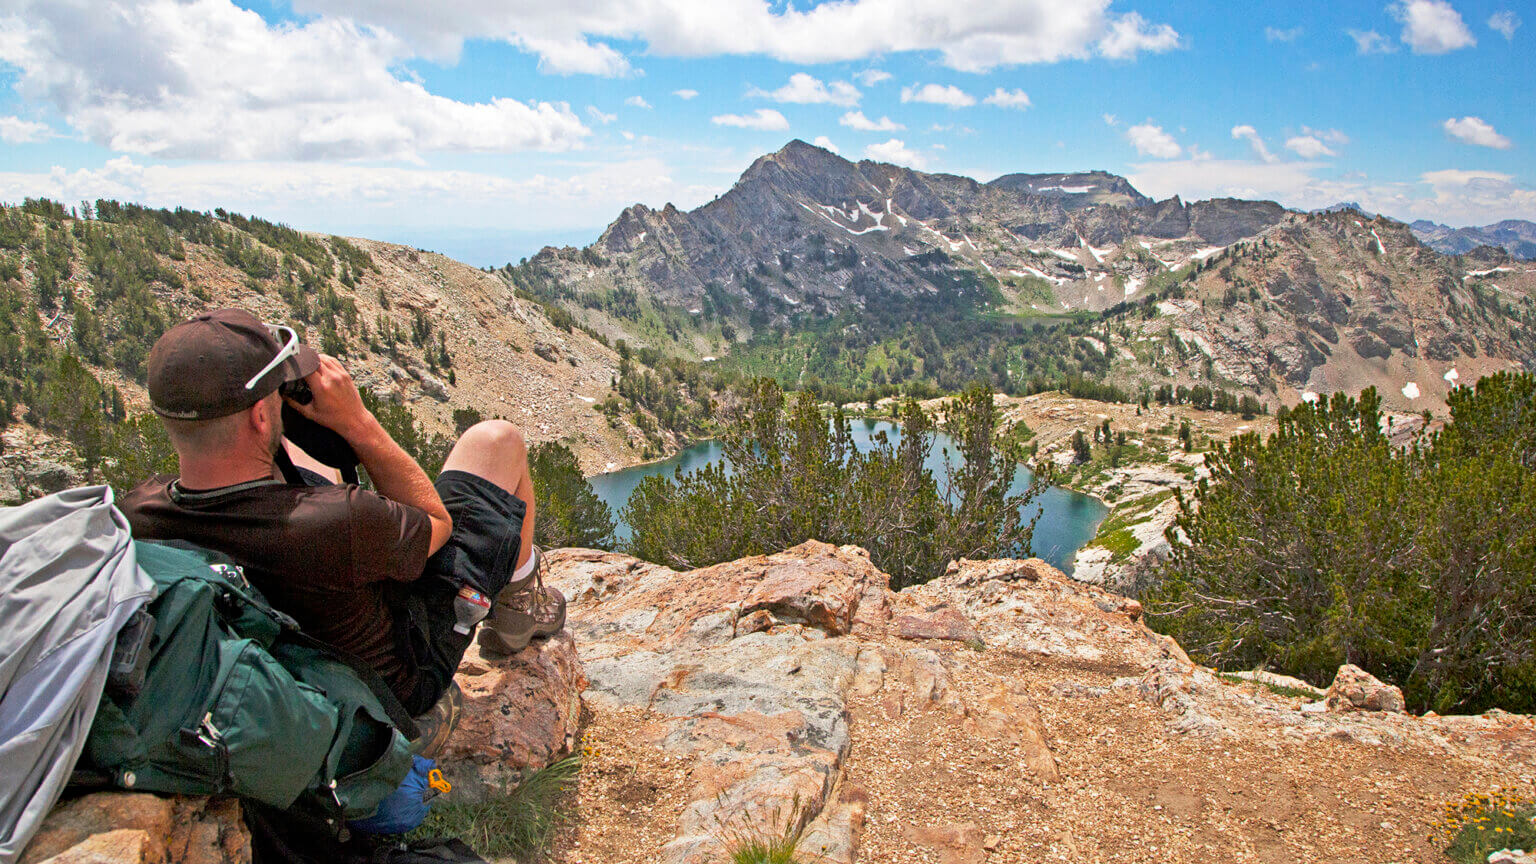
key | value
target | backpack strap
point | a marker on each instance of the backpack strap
(398, 717)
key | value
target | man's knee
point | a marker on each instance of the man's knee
(497, 437)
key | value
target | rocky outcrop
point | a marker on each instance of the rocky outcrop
(1000, 712)
(139, 828)
(740, 670)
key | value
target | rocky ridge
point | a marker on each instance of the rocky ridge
(1335, 302)
(1002, 712)
(1242, 295)
(804, 227)
(1515, 236)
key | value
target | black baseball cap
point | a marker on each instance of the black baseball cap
(221, 362)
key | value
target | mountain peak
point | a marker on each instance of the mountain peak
(1076, 189)
(800, 156)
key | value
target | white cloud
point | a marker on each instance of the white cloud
(1130, 34)
(1477, 197)
(1275, 34)
(1452, 178)
(897, 153)
(572, 56)
(871, 77)
(968, 36)
(857, 120)
(1332, 136)
(1451, 196)
(207, 80)
(599, 117)
(685, 94)
(1109, 119)
(1505, 23)
(314, 194)
(1308, 147)
(1251, 135)
(637, 102)
(804, 89)
(938, 94)
(825, 143)
(1474, 130)
(1008, 99)
(1431, 26)
(1151, 140)
(14, 130)
(1370, 42)
(763, 119)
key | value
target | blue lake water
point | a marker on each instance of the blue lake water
(1068, 521)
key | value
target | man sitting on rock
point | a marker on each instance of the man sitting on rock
(374, 573)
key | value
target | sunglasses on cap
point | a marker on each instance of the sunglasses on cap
(289, 338)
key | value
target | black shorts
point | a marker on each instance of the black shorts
(482, 552)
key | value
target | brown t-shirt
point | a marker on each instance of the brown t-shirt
(322, 554)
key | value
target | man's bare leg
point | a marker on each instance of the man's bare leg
(496, 451)
(301, 459)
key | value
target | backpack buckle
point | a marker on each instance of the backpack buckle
(208, 733)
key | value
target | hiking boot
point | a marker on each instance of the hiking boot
(438, 723)
(523, 612)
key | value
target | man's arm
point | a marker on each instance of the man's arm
(396, 476)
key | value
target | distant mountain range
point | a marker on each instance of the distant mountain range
(909, 268)
(1515, 236)
(805, 227)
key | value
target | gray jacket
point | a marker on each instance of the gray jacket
(69, 580)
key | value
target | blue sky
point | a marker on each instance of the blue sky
(486, 128)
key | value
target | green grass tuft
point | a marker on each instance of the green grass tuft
(517, 823)
(747, 843)
(1279, 689)
(1483, 823)
(761, 850)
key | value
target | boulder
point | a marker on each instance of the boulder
(50, 476)
(1355, 689)
(742, 670)
(434, 386)
(520, 714)
(140, 828)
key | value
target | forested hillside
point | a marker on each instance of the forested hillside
(85, 292)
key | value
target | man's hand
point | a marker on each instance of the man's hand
(337, 404)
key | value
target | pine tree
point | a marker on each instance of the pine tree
(569, 513)
(1329, 545)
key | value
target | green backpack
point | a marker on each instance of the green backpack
(234, 699)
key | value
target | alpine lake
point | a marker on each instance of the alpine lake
(1068, 519)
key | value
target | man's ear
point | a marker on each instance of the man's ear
(259, 418)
